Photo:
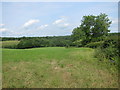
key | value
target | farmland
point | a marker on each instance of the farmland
(9, 43)
(55, 67)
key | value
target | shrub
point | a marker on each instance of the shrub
(10, 46)
(25, 44)
(94, 44)
(32, 43)
(109, 50)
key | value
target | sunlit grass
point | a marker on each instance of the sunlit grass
(55, 67)
(9, 43)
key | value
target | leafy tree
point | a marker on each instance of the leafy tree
(78, 36)
(102, 23)
(87, 25)
(92, 28)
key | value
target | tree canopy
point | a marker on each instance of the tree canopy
(92, 28)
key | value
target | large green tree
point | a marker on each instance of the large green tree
(92, 28)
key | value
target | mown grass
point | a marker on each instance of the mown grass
(9, 43)
(55, 67)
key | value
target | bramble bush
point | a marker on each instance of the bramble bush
(109, 50)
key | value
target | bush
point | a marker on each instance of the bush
(10, 46)
(25, 44)
(32, 43)
(94, 44)
(109, 50)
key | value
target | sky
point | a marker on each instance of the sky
(33, 19)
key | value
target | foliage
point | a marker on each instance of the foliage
(9, 38)
(60, 41)
(92, 28)
(77, 34)
(31, 43)
(94, 33)
(109, 50)
(94, 44)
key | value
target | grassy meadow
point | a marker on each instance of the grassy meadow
(9, 43)
(55, 67)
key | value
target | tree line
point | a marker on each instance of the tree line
(34, 42)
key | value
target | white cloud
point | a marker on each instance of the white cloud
(42, 26)
(62, 23)
(7, 32)
(3, 29)
(30, 22)
(59, 21)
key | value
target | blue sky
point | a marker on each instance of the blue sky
(51, 18)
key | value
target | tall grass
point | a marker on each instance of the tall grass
(55, 67)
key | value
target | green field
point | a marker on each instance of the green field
(55, 67)
(9, 43)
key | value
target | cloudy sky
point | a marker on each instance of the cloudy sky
(50, 18)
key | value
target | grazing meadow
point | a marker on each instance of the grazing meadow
(11, 43)
(55, 67)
